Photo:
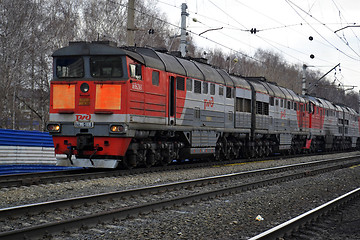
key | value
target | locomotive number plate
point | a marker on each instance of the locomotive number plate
(84, 124)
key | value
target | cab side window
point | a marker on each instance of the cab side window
(135, 71)
(155, 78)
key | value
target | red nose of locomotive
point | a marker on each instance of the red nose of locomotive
(87, 110)
(88, 121)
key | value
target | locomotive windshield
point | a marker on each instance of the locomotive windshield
(106, 66)
(70, 67)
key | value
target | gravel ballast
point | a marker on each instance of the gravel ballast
(228, 217)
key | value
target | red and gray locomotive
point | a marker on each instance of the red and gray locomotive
(112, 106)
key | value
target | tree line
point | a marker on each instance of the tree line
(30, 30)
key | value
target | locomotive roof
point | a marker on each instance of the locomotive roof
(240, 82)
(181, 66)
(228, 80)
(276, 91)
(210, 74)
(338, 107)
(93, 49)
(315, 101)
(294, 96)
(191, 70)
(327, 104)
(353, 111)
(150, 58)
(347, 109)
(259, 87)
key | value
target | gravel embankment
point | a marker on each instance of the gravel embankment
(230, 217)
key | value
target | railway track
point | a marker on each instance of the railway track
(28, 179)
(304, 225)
(121, 204)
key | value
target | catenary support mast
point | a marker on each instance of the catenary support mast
(183, 42)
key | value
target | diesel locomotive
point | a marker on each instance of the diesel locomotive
(132, 106)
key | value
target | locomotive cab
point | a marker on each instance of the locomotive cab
(88, 102)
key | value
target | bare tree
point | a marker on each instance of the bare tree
(16, 18)
(102, 20)
(29, 32)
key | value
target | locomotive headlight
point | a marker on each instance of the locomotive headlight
(53, 127)
(118, 128)
(84, 87)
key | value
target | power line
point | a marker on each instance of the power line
(291, 4)
(301, 24)
(255, 30)
(340, 14)
(213, 41)
(229, 48)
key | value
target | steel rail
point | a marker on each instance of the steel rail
(288, 227)
(17, 180)
(121, 213)
(27, 179)
(36, 207)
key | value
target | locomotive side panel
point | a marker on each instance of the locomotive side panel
(243, 109)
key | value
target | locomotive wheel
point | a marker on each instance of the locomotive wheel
(220, 154)
(150, 159)
(165, 161)
(252, 152)
(232, 155)
(298, 148)
(130, 161)
(312, 148)
(217, 154)
(267, 151)
(260, 151)
(165, 157)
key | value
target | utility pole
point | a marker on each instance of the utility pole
(303, 92)
(359, 102)
(183, 42)
(130, 33)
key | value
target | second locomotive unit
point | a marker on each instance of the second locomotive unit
(141, 107)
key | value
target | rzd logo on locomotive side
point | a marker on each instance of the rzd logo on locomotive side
(208, 103)
(283, 114)
(83, 117)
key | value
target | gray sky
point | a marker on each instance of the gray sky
(284, 27)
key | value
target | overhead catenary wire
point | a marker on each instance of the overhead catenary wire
(221, 44)
(301, 33)
(294, 6)
(285, 49)
(261, 37)
(346, 23)
(243, 28)
(178, 27)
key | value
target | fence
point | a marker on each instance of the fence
(26, 147)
